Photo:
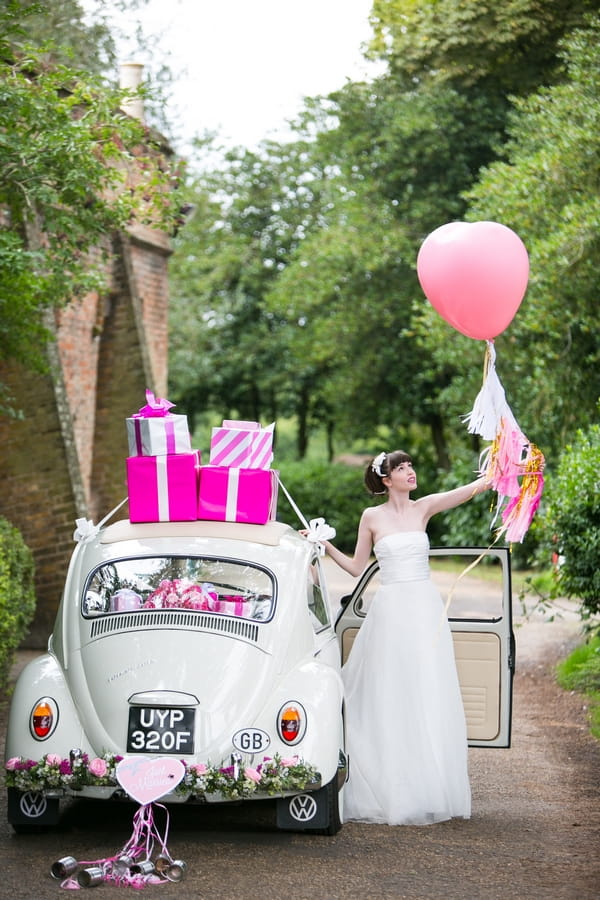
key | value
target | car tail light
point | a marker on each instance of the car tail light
(291, 722)
(44, 717)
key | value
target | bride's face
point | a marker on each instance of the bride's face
(403, 477)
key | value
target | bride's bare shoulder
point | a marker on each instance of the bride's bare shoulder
(370, 515)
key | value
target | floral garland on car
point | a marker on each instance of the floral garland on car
(275, 775)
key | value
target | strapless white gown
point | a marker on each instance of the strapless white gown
(405, 724)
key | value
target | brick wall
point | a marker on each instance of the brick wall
(66, 458)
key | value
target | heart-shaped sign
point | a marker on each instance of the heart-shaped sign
(146, 780)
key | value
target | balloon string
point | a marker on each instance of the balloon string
(464, 572)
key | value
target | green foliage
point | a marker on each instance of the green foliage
(295, 289)
(580, 671)
(73, 170)
(509, 46)
(58, 27)
(17, 597)
(571, 520)
(334, 491)
(546, 189)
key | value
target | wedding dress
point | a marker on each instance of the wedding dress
(405, 725)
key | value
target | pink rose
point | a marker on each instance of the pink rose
(98, 767)
(199, 769)
(12, 763)
(252, 774)
(292, 761)
(52, 759)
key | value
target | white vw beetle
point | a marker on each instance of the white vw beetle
(214, 642)
(210, 641)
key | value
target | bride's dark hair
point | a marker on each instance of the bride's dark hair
(384, 464)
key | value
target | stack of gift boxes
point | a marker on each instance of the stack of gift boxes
(167, 483)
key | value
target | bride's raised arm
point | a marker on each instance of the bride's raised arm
(435, 503)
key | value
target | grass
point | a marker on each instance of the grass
(580, 672)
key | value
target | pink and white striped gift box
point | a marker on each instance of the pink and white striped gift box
(242, 445)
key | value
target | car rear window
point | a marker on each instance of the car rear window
(203, 584)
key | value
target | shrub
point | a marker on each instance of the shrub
(580, 671)
(332, 490)
(336, 491)
(572, 521)
(17, 596)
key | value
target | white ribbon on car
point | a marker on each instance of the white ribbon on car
(318, 529)
(85, 528)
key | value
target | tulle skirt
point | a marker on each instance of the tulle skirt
(405, 723)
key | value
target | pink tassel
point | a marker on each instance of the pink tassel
(511, 464)
(519, 512)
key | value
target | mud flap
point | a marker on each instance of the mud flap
(302, 811)
(32, 808)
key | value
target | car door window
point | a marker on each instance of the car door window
(317, 607)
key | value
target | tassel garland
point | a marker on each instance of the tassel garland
(512, 465)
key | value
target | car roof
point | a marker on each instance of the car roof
(270, 534)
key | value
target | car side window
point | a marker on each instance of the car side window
(317, 607)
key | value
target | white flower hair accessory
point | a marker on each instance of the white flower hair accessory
(377, 464)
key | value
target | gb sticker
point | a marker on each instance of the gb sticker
(251, 740)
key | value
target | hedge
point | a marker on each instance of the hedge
(17, 596)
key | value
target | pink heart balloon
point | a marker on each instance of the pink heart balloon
(145, 780)
(475, 275)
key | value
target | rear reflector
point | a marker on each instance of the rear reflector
(44, 717)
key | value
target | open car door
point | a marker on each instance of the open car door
(476, 584)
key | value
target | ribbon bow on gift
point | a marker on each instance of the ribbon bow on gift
(319, 530)
(156, 407)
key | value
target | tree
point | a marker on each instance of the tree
(547, 190)
(228, 349)
(507, 48)
(73, 170)
(357, 345)
(59, 31)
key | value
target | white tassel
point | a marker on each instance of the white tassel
(490, 405)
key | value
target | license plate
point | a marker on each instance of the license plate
(154, 729)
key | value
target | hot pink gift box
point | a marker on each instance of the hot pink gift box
(163, 488)
(237, 495)
(242, 445)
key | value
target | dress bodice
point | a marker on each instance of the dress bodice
(403, 556)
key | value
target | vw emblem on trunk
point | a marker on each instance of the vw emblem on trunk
(33, 805)
(303, 808)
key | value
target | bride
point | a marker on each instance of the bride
(405, 724)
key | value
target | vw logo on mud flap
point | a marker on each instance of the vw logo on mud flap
(33, 805)
(303, 808)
